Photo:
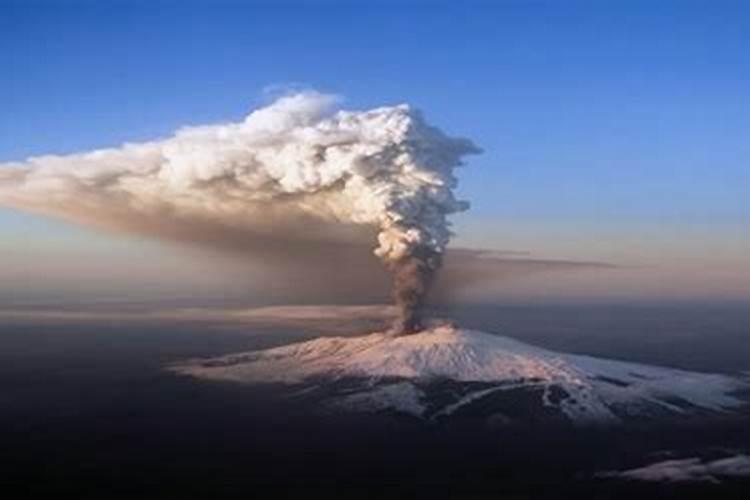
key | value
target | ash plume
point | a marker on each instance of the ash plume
(413, 276)
(294, 172)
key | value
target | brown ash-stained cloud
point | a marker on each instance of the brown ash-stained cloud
(297, 191)
(293, 182)
(348, 274)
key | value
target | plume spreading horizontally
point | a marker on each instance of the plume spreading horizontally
(287, 170)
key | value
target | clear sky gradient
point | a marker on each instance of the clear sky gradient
(612, 131)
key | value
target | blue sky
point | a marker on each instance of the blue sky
(599, 120)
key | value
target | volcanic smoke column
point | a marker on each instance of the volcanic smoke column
(412, 278)
(297, 159)
(414, 228)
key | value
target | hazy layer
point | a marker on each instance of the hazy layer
(52, 262)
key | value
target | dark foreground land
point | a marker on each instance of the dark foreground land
(216, 441)
(86, 410)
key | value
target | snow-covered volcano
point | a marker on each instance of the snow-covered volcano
(446, 372)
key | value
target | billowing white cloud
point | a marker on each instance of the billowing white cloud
(282, 174)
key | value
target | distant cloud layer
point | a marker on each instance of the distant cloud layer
(689, 470)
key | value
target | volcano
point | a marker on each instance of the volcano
(445, 372)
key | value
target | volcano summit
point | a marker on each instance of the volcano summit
(446, 372)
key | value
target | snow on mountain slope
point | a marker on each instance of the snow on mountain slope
(397, 373)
